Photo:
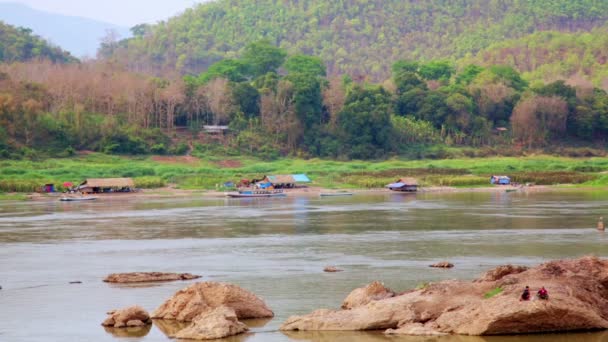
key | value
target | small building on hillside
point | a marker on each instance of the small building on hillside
(284, 181)
(104, 185)
(404, 185)
(500, 180)
(215, 129)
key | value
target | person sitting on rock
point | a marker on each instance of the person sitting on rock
(526, 294)
(542, 293)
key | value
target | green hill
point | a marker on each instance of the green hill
(359, 37)
(19, 44)
(552, 55)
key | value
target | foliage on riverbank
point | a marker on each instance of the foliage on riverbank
(28, 176)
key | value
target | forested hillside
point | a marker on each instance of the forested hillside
(278, 104)
(551, 55)
(19, 44)
(357, 37)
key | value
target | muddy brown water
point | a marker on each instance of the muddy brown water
(276, 248)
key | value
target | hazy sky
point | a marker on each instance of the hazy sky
(120, 12)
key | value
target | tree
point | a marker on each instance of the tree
(304, 64)
(436, 70)
(230, 69)
(247, 99)
(468, 74)
(219, 100)
(262, 57)
(365, 123)
(537, 119)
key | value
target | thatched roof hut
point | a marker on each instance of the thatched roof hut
(96, 185)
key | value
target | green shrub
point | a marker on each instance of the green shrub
(149, 182)
(493, 292)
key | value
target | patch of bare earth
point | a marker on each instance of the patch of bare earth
(175, 159)
(229, 164)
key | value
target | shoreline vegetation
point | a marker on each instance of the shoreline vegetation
(188, 176)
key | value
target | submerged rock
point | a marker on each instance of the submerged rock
(203, 297)
(218, 323)
(364, 295)
(133, 316)
(578, 292)
(142, 277)
(443, 264)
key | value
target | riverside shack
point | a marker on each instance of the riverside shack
(285, 181)
(105, 185)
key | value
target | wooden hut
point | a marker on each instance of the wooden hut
(103, 185)
(404, 185)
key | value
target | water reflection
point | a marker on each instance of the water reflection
(129, 331)
(348, 336)
(170, 327)
(275, 248)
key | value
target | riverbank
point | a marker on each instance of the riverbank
(23, 176)
(171, 192)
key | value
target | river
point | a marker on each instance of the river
(276, 248)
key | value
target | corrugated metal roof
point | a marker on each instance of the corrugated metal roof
(108, 183)
(301, 178)
(281, 179)
(288, 179)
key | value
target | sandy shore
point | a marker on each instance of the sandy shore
(170, 192)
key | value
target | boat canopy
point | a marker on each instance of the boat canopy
(396, 185)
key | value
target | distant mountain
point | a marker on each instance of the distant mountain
(80, 36)
(359, 37)
(18, 44)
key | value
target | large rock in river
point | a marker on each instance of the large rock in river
(219, 323)
(203, 297)
(578, 300)
(364, 295)
(142, 277)
(133, 316)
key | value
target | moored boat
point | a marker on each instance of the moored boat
(256, 193)
(77, 199)
(332, 194)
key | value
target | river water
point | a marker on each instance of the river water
(276, 248)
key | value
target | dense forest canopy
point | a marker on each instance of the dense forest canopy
(278, 104)
(19, 44)
(347, 79)
(357, 37)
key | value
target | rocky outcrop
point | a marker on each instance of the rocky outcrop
(134, 316)
(219, 323)
(143, 277)
(443, 264)
(501, 272)
(203, 297)
(578, 292)
(364, 295)
(331, 269)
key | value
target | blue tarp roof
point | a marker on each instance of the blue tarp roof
(301, 178)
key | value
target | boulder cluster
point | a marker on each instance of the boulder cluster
(213, 310)
(490, 305)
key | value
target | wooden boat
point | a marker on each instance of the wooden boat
(331, 194)
(256, 193)
(77, 199)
